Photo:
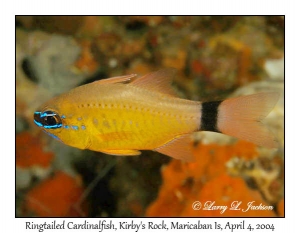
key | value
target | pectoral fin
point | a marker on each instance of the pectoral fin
(179, 148)
(121, 152)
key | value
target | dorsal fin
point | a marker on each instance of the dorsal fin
(118, 79)
(159, 81)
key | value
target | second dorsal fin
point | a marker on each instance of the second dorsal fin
(159, 81)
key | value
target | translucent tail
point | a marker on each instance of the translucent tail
(241, 118)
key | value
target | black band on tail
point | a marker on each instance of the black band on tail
(209, 116)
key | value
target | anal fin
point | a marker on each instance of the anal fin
(122, 152)
(178, 148)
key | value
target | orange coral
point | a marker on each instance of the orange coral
(280, 208)
(176, 59)
(211, 159)
(227, 191)
(29, 152)
(139, 67)
(86, 62)
(55, 197)
(199, 68)
(57, 24)
(91, 26)
(204, 180)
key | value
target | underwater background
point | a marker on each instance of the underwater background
(216, 57)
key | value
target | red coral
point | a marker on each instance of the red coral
(225, 190)
(86, 62)
(205, 180)
(199, 68)
(280, 208)
(29, 152)
(54, 197)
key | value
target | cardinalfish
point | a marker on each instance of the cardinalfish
(126, 114)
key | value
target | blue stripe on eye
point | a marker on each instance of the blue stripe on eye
(52, 126)
(38, 123)
(47, 114)
(83, 127)
(63, 116)
(75, 127)
(66, 127)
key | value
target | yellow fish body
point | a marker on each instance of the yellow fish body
(124, 115)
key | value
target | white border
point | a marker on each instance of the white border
(288, 8)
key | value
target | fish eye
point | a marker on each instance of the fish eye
(48, 119)
(51, 119)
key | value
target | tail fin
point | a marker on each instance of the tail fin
(241, 118)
